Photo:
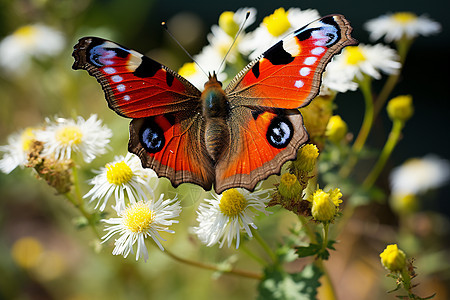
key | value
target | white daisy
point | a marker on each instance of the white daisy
(139, 221)
(401, 24)
(275, 27)
(17, 49)
(221, 219)
(17, 150)
(62, 138)
(418, 175)
(355, 61)
(336, 81)
(125, 178)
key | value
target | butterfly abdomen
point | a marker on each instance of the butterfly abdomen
(215, 111)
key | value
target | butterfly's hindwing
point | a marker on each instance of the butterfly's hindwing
(172, 145)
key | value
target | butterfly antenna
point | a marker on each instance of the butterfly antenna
(234, 40)
(164, 25)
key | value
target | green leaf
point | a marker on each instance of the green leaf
(277, 284)
(310, 250)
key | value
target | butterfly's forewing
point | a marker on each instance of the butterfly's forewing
(288, 75)
(166, 110)
(266, 129)
(135, 86)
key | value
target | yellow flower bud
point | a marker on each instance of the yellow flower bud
(336, 129)
(306, 158)
(400, 108)
(404, 203)
(227, 23)
(393, 259)
(323, 208)
(289, 186)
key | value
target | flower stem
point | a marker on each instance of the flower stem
(330, 291)
(385, 153)
(365, 86)
(252, 255)
(403, 47)
(201, 265)
(308, 230)
(265, 246)
(85, 214)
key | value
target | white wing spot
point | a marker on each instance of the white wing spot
(117, 78)
(299, 84)
(305, 71)
(109, 70)
(126, 97)
(309, 61)
(121, 88)
(317, 50)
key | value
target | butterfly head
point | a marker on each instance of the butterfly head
(212, 81)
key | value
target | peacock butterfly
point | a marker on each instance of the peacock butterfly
(232, 137)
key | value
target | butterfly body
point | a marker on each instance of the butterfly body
(232, 137)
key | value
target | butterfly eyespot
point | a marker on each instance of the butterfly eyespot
(280, 132)
(152, 136)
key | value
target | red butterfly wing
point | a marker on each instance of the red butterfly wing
(166, 132)
(135, 86)
(265, 126)
(260, 142)
(288, 75)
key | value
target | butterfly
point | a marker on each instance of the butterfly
(232, 137)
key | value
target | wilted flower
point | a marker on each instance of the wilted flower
(139, 221)
(222, 218)
(401, 24)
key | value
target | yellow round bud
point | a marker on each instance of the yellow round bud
(323, 208)
(227, 23)
(393, 259)
(404, 203)
(289, 187)
(306, 158)
(336, 129)
(400, 108)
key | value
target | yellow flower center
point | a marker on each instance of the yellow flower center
(119, 173)
(404, 17)
(227, 23)
(27, 138)
(278, 22)
(26, 34)
(69, 135)
(232, 203)
(354, 55)
(138, 217)
(188, 69)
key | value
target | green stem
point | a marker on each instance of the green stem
(308, 230)
(84, 213)
(403, 47)
(331, 292)
(365, 86)
(252, 255)
(325, 235)
(264, 245)
(201, 265)
(385, 153)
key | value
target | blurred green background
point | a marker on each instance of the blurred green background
(73, 269)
